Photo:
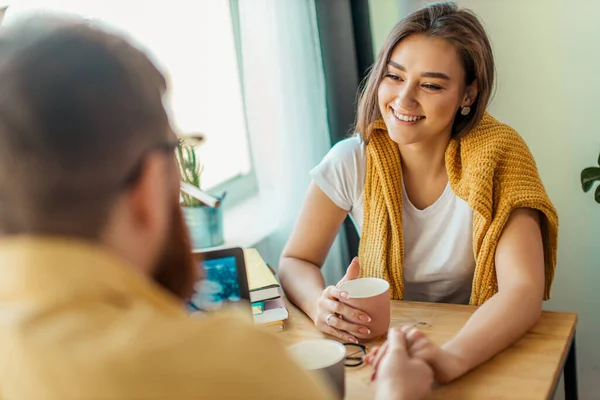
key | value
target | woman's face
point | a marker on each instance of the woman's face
(422, 89)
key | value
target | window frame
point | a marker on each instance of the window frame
(243, 186)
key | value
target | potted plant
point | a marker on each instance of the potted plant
(588, 177)
(203, 212)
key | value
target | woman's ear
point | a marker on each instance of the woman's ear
(470, 94)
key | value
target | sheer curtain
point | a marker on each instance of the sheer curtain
(285, 100)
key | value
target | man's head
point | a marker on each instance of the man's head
(86, 148)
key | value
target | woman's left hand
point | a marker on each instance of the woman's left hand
(446, 366)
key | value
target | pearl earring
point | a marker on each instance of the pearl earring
(465, 110)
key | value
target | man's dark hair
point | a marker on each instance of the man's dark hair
(79, 107)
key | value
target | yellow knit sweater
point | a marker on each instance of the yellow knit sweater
(491, 168)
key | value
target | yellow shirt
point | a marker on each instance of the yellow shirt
(77, 323)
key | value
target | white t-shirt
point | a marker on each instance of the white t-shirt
(438, 241)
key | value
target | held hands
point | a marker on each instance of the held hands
(446, 366)
(400, 375)
(331, 312)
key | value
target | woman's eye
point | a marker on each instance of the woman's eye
(432, 87)
(393, 77)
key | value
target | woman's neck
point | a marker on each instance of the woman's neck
(425, 160)
(424, 171)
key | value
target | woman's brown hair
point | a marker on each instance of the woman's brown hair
(441, 20)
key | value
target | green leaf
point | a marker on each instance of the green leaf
(588, 177)
(597, 195)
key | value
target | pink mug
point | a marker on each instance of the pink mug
(371, 296)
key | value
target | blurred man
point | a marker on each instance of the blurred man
(94, 254)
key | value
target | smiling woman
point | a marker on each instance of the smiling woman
(411, 94)
(448, 200)
(457, 58)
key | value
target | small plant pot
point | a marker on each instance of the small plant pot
(205, 225)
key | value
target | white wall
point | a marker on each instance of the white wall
(548, 89)
(548, 65)
(383, 14)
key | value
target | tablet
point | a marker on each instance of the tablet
(224, 279)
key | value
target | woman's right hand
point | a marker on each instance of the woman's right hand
(331, 315)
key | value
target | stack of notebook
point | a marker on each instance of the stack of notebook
(267, 305)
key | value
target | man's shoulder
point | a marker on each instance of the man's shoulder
(230, 327)
(197, 355)
(154, 355)
(214, 351)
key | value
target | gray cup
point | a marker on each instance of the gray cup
(323, 357)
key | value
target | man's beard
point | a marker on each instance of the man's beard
(176, 270)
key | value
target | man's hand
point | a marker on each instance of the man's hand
(446, 366)
(400, 376)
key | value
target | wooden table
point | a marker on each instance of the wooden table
(530, 369)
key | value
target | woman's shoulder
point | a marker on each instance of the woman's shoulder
(494, 134)
(341, 173)
(346, 160)
(347, 150)
(491, 151)
(492, 140)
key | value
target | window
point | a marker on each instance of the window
(192, 42)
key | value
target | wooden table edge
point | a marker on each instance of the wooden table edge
(565, 351)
